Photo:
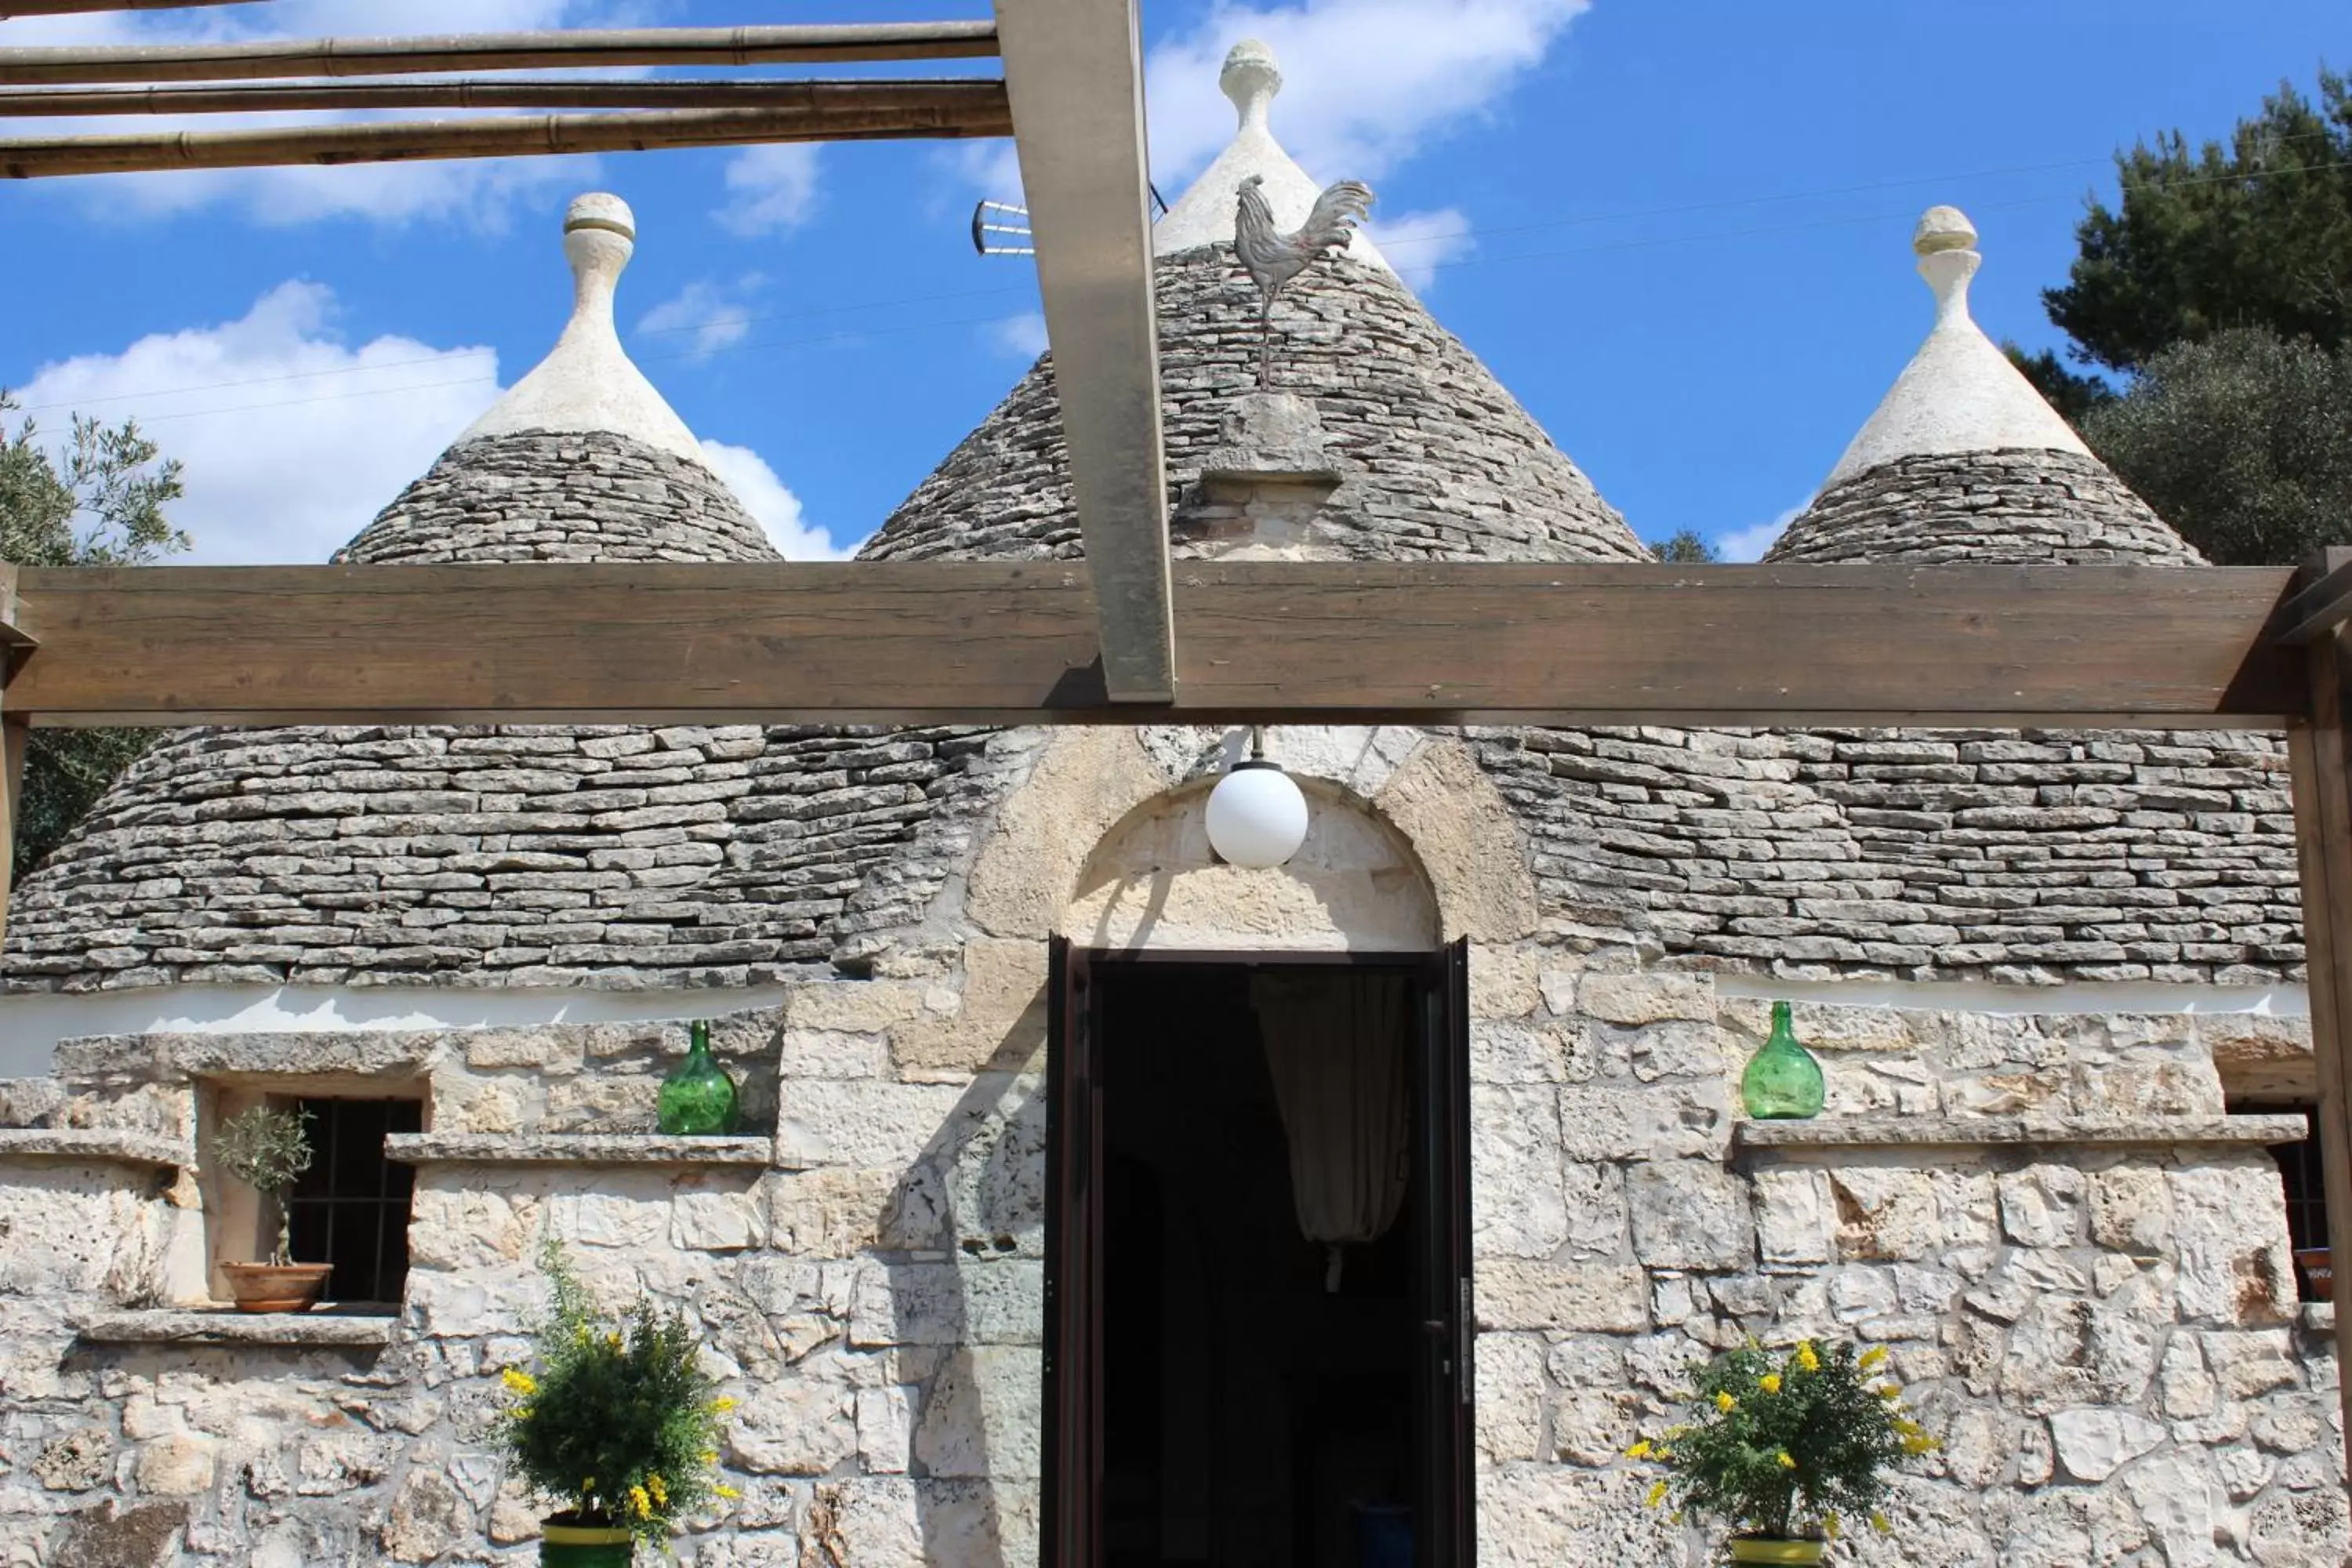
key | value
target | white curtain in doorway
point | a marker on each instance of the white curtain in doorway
(1335, 1046)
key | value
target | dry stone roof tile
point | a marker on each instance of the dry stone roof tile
(526, 855)
(1439, 461)
(2016, 507)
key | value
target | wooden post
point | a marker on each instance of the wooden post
(1073, 69)
(13, 732)
(2323, 826)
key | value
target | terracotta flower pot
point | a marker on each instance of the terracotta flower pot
(1751, 1549)
(277, 1286)
(583, 1546)
(2314, 1261)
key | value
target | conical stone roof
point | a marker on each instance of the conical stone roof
(494, 855)
(1434, 460)
(581, 460)
(1963, 461)
(2033, 858)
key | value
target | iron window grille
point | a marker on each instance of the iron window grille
(350, 1207)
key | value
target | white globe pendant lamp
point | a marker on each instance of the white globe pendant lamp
(1257, 816)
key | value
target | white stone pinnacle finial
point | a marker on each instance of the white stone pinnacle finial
(1946, 243)
(1959, 393)
(599, 234)
(1251, 79)
(586, 382)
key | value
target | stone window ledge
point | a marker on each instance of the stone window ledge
(575, 1149)
(2319, 1317)
(98, 1146)
(324, 1327)
(1833, 1134)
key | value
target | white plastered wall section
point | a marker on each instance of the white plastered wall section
(34, 1024)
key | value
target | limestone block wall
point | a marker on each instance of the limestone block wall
(329, 1449)
(2103, 1334)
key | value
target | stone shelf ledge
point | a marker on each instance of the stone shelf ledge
(1850, 1132)
(325, 1328)
(97, 1144)
(575, 1149)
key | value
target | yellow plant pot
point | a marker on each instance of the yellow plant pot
(583, 1546)
(1750, 1550)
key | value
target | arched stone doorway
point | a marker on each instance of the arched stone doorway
(1257, 1227)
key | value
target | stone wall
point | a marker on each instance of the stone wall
(2097, 1322)
(2090, 1303)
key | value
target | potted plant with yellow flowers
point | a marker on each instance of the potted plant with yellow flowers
(620, 1423)
(1783, 1448)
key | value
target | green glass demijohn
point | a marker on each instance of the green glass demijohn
(1783, 1082)
(698, 1098)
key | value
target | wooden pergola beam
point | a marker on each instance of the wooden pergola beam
(941, 109)
(929, 642)
(582, 47)
(1075, 70)
(491, 92)
(2322, 603)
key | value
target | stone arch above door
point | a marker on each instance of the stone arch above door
(1410, 845)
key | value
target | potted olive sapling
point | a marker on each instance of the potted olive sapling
(1785, 1448)
(268, 1149)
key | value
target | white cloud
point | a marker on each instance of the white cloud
(1366, 82)
(767, 499)
(1021, 336)
(1751, 543)
(1418, 244)
(994, 169)
(771, 188)
(708, 316)
(482, 192)
(292, 441)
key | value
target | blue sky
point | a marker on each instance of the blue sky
(1678, 232)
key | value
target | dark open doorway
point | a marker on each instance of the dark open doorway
(1229, 1386)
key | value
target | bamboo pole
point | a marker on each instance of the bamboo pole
(231, 61)
(967, 114)
(79, 7)
(249, 98)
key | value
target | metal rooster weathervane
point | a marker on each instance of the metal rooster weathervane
(1273, 258)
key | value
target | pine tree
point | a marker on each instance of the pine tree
(2218, 291)
(2253, 233)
